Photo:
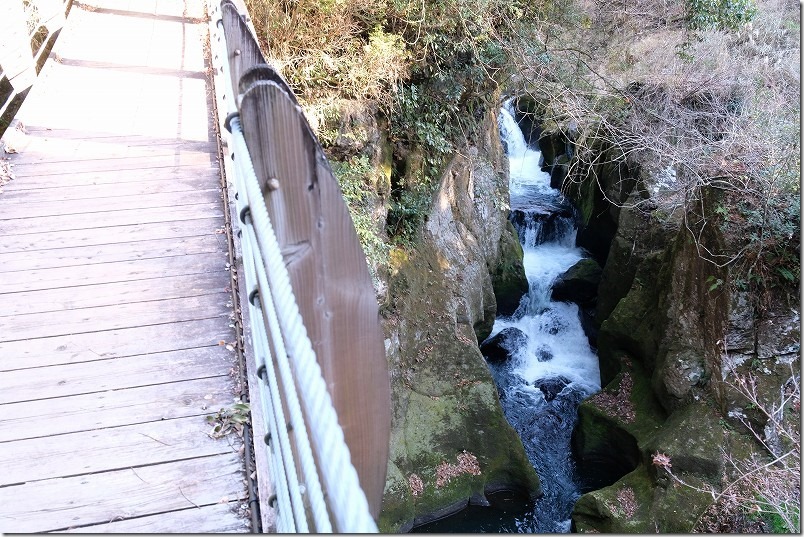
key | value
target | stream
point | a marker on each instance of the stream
(550, 366)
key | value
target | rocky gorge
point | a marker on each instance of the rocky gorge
(668, 345)
(672, 131)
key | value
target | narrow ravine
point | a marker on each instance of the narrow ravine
(550, 367)
(540, 357)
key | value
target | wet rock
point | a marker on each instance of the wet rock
(579, 283)
(551, 386)
(502, 345)
(544, 354)
(509, 280)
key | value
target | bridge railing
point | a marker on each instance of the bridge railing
(26, 30)
(314, 324)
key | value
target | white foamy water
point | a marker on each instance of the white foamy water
(555, 325)
(553, 368)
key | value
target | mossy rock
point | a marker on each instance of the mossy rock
(635, 324)
(613, 423)
(693, 437)
(635, 504)
(619, 508)
(446, 405)
(509, 280)
(579, 283)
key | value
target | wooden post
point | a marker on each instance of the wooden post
(15, 45)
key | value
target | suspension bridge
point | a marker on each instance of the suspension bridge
(189, 337)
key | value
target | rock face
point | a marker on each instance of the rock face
(509, 280)
(668, 342)
(450, 442)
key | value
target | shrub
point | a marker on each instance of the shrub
(719, 14)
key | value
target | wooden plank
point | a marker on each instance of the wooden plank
(121, 235)
(219, 518)
(53, 148)
(88, 208)
(51, 417)
(43, 131)
(75, 348)
(115, 448)
(57, 323)
(109, 219)
(108, 190)
(200, 161)
(122, 271)
(100, 498)
(38, 151)
(114, 374)
(110, 294)
(73, 178)
(108, 253)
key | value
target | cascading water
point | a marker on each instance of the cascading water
(550, 368)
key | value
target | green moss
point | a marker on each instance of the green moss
(636, 322)
(445, 402)
(693, 438)
(397, 508)
(635, 504)
(509, 280)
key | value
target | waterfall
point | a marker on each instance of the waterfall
(552, 368)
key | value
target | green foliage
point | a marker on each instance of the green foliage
(354, 177)
(771, 514)
(408, 213)
(771, 229)
(719, 14)
(714, 283)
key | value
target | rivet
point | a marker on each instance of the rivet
(272, 184)
(237, 52)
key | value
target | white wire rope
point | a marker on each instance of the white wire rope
(348, 501)
(291, 516)
(306, 459)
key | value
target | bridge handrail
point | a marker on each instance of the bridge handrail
(16, 46)
(279, 336)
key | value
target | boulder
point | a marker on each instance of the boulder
(579, 283)
(551, 386)
(503, 345)
(544, 354)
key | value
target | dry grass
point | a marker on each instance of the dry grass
(327, 48)
(416, 485)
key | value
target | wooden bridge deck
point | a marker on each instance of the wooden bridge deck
(114, 299)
